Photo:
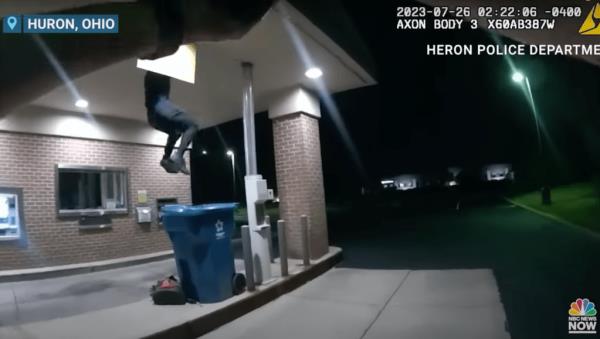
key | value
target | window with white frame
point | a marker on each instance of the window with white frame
(85, 190)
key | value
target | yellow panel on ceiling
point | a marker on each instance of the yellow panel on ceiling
(179, 65)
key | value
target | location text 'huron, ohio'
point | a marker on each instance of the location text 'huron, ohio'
(74, 23)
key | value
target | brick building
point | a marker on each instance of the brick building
(113, 133)
(54, 240)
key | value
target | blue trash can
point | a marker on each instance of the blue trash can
(201, 238)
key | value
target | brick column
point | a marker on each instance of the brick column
(300, 177)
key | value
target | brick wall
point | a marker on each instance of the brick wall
(28, 161)
(300, 181)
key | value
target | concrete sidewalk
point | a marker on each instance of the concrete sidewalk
(349, 303)
(42, 300)
(343, 303)
(116, 303)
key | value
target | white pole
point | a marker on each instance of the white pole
(233, 175)
(255, 186)
(248, 113)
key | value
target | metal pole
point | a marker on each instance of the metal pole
(248, 113)
(233, 171)
(305, 241)
(248, 258)
(545, 187)
(270, 238)
(282, 248)
(535, 115)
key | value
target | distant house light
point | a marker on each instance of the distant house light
(452, 183)
(498, 172)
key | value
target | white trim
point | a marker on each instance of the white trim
(10, 238)
(88, 265)
(48, 121)
(295, 100)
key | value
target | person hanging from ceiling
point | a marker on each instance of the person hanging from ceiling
(163, 114)
(167, 117)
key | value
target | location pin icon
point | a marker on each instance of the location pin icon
(12, 22)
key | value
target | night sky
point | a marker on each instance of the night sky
(430, 112)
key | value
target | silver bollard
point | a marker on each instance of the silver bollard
(305, 240)
(247, 249)
(270, 237)
(282, 248)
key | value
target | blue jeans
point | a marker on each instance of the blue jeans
(168, 118)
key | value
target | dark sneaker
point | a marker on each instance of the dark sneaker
(169, 166)
(180, 165)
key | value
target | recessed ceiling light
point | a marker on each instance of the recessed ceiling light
(82, 103)
(314, 73)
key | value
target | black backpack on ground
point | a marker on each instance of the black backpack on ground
(167, 292)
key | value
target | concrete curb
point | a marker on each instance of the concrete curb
(66, 270)
(555, 218)
(89, 267)
(206, 323)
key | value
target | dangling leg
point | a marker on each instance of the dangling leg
(166, 161)
(175, 119)
(186, 139)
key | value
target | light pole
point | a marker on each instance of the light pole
(231, 155)
(520, 78)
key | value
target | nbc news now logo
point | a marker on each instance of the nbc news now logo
(582, 317)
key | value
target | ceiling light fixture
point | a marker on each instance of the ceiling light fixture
(314, 73)
(82, 103)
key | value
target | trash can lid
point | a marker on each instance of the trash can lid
(190, 210)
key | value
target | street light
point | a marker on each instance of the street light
(521, 78)
(518, 77)
(231, 155)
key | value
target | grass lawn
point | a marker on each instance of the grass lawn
(577, 203)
